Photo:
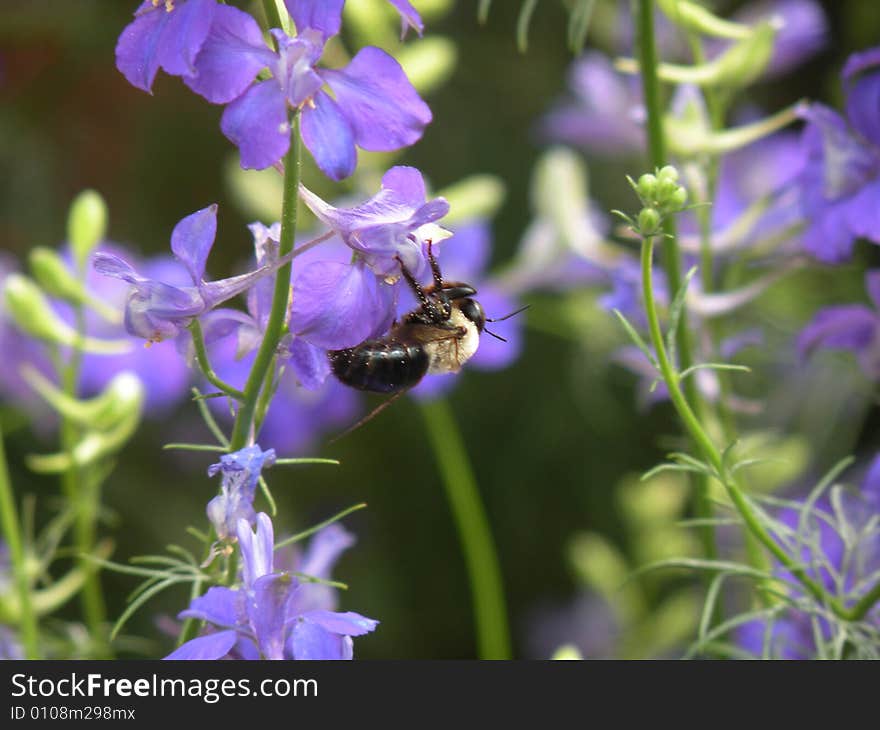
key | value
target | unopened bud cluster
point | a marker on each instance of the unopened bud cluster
(660, 195)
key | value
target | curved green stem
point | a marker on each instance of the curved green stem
(671, 254)
(261, 369)
(30, 638)
(713, 456)
(205, 366)
(487, 590)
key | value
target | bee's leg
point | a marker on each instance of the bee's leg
(433, 314)
(439, 288)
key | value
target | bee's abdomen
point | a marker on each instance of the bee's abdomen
(381, 366)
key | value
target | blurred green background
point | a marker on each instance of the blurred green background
(550, 438)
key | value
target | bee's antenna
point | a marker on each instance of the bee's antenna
(370, 416)
(490, 332)
(507, 316)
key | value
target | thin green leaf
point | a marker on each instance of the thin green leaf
(710, 603)
(703, 564)
(713, 366)
(194, 447)
(729, 625)
(637, 339)
(312, 530)
(209, 420)
(132, 607)
(675, 313)
(483, 11)
(526, 11)
(660, 468)
(579, 24)
(270, 500)
(307, 460)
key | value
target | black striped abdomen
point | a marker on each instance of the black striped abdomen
(381, 366)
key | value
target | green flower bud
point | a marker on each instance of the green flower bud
(665, 190)
(54, 277)
(667, 173)
(31, 312)
(679, 198)
(647, 187)
(86, 224)
(649, 221)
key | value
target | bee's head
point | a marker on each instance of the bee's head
(473, 311)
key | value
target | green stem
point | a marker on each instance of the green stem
(244, 420)
(30, 637)
(713, 456)
(83, 498)
(671, 253)
(205, 366)
(487, 590)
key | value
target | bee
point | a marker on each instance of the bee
(437, 338)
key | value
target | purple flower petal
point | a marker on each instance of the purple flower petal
(863, 212)
(381, 105)
(324, 550)
(860, 62)
(257, 548)
(409, 17)
(322, 15)
(231, 56)
(192, 238)
(219, 606)
(849, 327)
(212, 646)
(257, 123)
(312, 642)
(863, 106)
(339, 305)
(184, 35)
(346, 624)
(326, 133)
(266, 610)
(293, 66)
(241, 471)
(137, 55)
(309, 363)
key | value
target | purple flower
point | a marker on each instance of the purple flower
(853, 327)
(240, 472)
(604, 115)
(272, 615)
(395, 223)
(841, 182)
(327, 14)
(374, 106)
(803, 31)
(156, 310)
(165, 34)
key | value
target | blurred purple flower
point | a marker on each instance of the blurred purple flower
(272, 615)
(374, 105)
(854, 327)
(156, 310)
(239, 472)
(165, 34)
(604, 114)
(803, 31)
(840, 186)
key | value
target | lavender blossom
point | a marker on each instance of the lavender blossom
(374, 105)
(853, 327)
(841, 181)
(272, 615)
(156, 310)
(240, 472)
(165, 34)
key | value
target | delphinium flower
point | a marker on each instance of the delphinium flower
(853, 327)
(839, 545)
(840, 185)
(272, 614)
(239, 472)
(374, 106)
(156, 310)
